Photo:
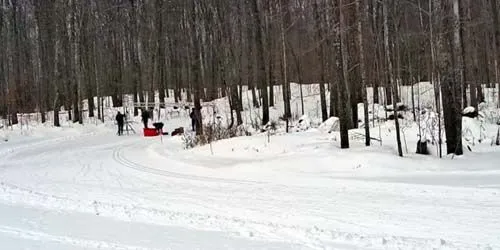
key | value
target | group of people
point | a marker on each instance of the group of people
(145, 116)
(120, 120)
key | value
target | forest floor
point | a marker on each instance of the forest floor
(86, 188)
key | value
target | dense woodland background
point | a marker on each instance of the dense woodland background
(56, 53)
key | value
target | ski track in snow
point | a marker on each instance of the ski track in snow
(12, 150)
(118, 157)
(126, 189)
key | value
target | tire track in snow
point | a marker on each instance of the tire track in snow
(238, 226)
(213, 163)
(119, 158)
(23, 152)
(7, 154)
(313, 236)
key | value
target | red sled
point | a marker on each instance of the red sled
(150, 132)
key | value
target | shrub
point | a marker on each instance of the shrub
(213, 133)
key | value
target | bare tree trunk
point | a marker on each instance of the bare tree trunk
(284, 67)
(360, 10)
(496, 31)
(14, 98)
(272, 81)
(196, 66)
(411, 78)
(433, 75)
(250, 76)
(474, 69)
(345, 94)
(460, 63)
(464, 77)
(321, 57)
(74, 56)
(3, 71)
(261, 74)
(100, 115)
(162, 78)
(134, 56)
(332, 81)
(300, 77)
(56, 106)
(450, 85)
(391, 76)
(485, 72)
(45, 17)
(88, 56)
(240, 57)
(271, 57)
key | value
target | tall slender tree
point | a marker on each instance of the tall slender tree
(393, 83)
(450, 83)
(261, 74)
(344, 99)
(360, 4)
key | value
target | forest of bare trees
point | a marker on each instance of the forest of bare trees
(56, 53)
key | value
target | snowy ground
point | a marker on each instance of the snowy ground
(85, 188)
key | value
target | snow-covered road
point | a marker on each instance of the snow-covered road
(100, 191)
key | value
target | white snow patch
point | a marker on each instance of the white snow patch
(330, 125)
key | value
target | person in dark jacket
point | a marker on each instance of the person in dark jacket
(193, 119)
(145, 117)
(120, 120)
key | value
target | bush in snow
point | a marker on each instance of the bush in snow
(189, 140)
(473, 130)
(271, 127)
(429, 126)
(212, 133)
(476, 122)
(488, 114)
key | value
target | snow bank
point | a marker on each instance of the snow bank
(469, 110)
(330, 125)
